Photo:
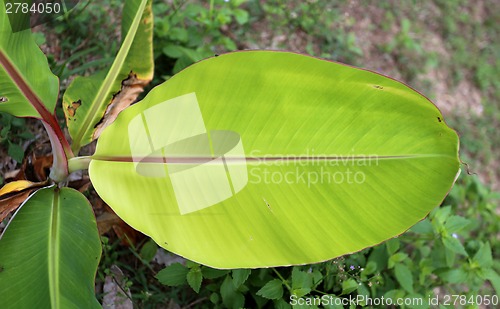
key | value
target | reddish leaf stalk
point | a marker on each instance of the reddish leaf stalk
(60, 146)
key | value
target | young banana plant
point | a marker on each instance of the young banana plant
(248, 159)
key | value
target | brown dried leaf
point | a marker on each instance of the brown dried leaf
(131, 88)
(109, 220)
(81, 183)
(128, 235)
(41, 166)
(11, 203)
(13, 194)
(106, 221)
(33, 168)
(85, 185)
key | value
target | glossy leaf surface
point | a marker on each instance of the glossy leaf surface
(263, 158)
(27, 86)
(49, 253)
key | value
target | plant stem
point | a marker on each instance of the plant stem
(283, 280)
(51, 120)
(211, 10)
(78, 163)
(59, 170)
(60, 146)
(61, 149)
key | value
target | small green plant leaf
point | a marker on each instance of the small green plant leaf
(191, 264)
(450, 256)
(281, 304)
(483, 256)
(27, 86)
(442, 214)
(454, 245)
(379, 257)
(179, 51)
(301, 282)
(49, 252)
(148, 250)
(317, 278)
(349, 286)
(494, 278)
(396, 258)
(240, 276)
(392, 246)
(241, 16)
(212, 273)
(455, 224)
(454, 276)
(194, 279)
(404, 277)
(300, 292)
(251, 156)
(231, 297)
(423, 227)
(91, 103)
(15, 151)
(173, 275)
(173, 51)
(369, 269)
(214, 298)
(272, 290)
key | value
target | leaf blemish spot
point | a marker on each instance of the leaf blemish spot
(3, 99)
(73, 107)
(439, 119)
(378, 87)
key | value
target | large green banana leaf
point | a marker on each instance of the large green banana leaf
(49, 253)
(92, 103)
(263, 158)
(27, 86)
